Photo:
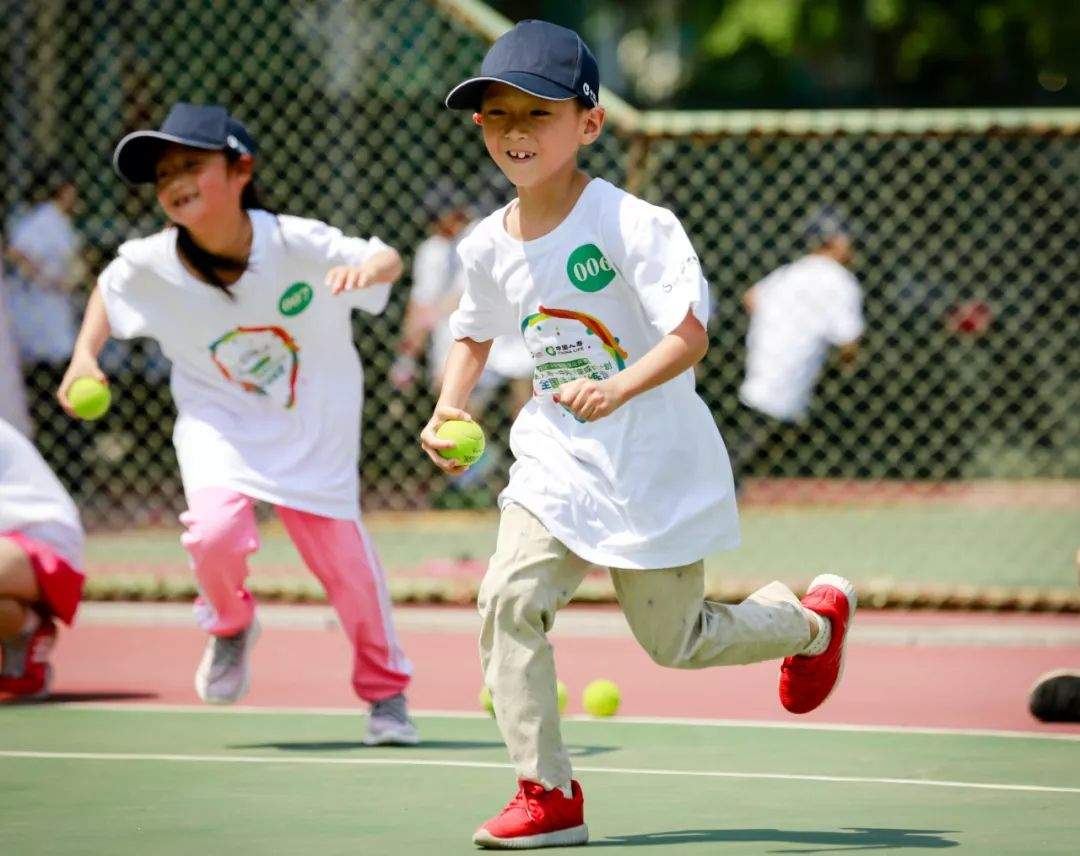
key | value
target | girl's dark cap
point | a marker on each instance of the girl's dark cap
(200, 126)
(543, 59)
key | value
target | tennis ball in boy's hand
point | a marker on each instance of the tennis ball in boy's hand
(486, 701)
(467, 438)
(601, 698)
(563, 695)
(89, 398)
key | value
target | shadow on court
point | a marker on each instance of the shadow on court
(576, 751)
(817, 842)
(75, 698)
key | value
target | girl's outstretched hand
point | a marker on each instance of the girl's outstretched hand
(82, 365)
(351, 277)
(431, 444)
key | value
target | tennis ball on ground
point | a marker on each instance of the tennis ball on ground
(89, 398)
(486, 701)
(467, 438)
(601, 698)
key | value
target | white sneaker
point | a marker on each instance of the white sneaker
(389, 724)
(224, 675)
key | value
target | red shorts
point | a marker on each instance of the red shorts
(60, 584)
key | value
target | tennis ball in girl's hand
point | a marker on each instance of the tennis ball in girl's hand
(601, 698)
(467, 438)
(89, 398)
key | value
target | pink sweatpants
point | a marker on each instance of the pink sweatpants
(220, 535)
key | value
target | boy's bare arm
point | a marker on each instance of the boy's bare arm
(680, 349)
(464, 365)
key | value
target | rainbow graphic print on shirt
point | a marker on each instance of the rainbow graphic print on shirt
(567, 345)
(261, 360)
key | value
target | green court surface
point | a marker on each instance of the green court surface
(125, 781)
(934, 544)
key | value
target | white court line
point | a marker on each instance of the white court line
(583, 622)
(481, 765)
(618, 720)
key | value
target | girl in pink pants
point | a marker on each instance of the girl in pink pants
(254, 311)
(220, 535)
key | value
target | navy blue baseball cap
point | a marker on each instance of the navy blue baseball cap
(202, 127)
(543, 59)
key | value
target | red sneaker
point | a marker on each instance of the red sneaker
(25, 669)
(537, 818)
(805, 682)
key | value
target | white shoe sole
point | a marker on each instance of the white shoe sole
(202, 674)
(562, 838)
(845, 585)
(393, 738)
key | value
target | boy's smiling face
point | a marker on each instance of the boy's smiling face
(531, 138)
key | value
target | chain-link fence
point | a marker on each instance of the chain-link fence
(965, 223)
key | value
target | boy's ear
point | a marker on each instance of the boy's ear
(594, 123)
(477, 119)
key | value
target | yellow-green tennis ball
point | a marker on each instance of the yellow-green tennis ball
(467, 438)
(564, 696)
(89, 398)
(601, 698)
(486, 701)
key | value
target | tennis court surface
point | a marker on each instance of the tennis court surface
(927, 745)
(171, 781)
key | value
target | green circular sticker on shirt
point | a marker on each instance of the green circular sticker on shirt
(588, 269)
(295, 299)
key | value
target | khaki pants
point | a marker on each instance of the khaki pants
(532, 575)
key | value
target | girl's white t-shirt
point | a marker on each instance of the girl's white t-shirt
(649, 486)
(32, 500)
(268, 386)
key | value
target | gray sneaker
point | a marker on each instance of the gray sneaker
(224, 675)
(389, 724)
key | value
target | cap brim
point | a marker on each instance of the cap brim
(135, 157)
(468, 94)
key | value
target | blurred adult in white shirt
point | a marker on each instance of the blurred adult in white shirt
(43, 254)
(797, 314)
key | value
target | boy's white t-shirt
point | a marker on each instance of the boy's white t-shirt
(268, 386)
(32, 500)
(649, 486)
(800, 310)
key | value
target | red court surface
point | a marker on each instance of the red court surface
(976, 674)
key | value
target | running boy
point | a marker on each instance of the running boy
(253, 310)
(41, 551)
(618, 461)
